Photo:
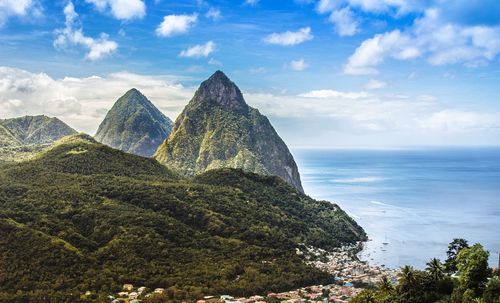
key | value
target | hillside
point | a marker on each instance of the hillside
(134, 125)
(217, 129)
(7, 138)
(37, 129)
(82, 216)
(24, 137)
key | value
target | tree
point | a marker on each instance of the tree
(472, 263)
(366, 296)
(385, 285)
(435, 269)
(468, 296)
(492, 292)
(454, 248)
(407, 277)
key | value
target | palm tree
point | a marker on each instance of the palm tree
(366, 296)
(385, 285)
(407, 277)
(435, 269)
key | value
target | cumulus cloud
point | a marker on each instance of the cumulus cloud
(73, 34)
(83, 102)
(298, 65)
(373, 51)
(121, 9)
(16, 8)
(198, 51)
(440, 42)
(324, 6)
(176, 24)
(323, 116)
(329, 117)
(345, 22)
(289, 38)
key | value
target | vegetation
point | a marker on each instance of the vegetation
(472, 281)
(217, 129)
(83, 216)
(134, 125)
(22, 138)
(36, 129)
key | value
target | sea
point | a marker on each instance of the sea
(411, 202)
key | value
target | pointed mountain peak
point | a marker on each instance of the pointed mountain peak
(134, 96)
(134, 125)
(219, 76)
(222, 91)
(133, 91)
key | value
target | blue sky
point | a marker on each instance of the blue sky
(343, 73)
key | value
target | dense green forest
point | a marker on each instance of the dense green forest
(82, 216)
(463, 278)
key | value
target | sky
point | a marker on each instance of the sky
(327, 73)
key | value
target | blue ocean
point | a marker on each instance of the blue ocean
(411, 203)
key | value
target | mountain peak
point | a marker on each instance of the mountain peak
(217, 129)
(134, 125)
(222, 91)
(134, 96)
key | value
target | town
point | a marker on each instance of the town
(351, 277)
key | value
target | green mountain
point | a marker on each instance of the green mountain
(22, 138)
(32, 130)
(82, 216)
(7, 138)
(217, 129)
(134, 125)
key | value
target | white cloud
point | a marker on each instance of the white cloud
(290, 38)
(121, 9)
(198, 51)
(83, 102)
(19, 8)
(334, 118)
(251, 2)
(328, 93)
(73, 35)
(321, 117)
(345, 22)
(325, 6)
(298, 65)
(176, 24)
(375, 84)
(440, 42)
(373, 51)
(214, 14)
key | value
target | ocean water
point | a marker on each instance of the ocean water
(412, 203)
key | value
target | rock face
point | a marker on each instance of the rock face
(30, 130)
(217, 129)
(134, 125)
